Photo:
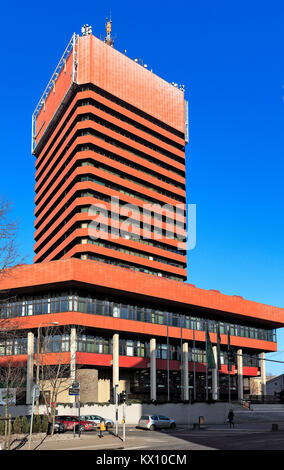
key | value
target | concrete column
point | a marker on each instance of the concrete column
(153, 371)
(30, 367)
(115, 360)
(240, 374)
(263, 373)
(73, 349)
(215, 376)
(185, 371)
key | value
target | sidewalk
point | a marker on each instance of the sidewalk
(253, 427)
(55, 442)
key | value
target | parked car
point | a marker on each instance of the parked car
(98, 419)
(59, 427)
(153, 422)
(72, 422)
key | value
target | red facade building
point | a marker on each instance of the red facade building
(109, 141)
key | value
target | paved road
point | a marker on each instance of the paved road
(242, 437)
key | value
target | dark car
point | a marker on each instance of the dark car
(72, 422)
(59, 427)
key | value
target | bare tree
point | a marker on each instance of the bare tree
(12, 371)
(55, 378)
(9, 254)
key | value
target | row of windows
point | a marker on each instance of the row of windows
(116, 187)
(179, 209)
(139, 221)
(150, 186)
(119, 116)
(118, 173)
(102, 345)
(121, 189)
(112, 231)
(152, 229)
(137, 348)
(132, 122)
(106, 307)
(100, 136)
(94, 162)
(131, 136)
(126, 161)
(134, 151)
(127, 251)
(118, 232)
(168, 209)
(129, 235)
(131, 266)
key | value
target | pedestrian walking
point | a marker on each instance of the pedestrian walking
(102, 428)
(231, 418)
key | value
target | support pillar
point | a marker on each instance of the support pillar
(185, 371)
(153, 371)
(30, 367)
(115, 360)
(263, 373)
(215, 376)
(240, 374)
(73, 349)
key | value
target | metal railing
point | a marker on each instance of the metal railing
(72, 46)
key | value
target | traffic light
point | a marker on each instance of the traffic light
(231, 356)
(231, 359)
(122, 397)
(112, 398)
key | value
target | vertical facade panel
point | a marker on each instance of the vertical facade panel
(131, 82)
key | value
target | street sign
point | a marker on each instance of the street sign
(73, 392)
(36, 391)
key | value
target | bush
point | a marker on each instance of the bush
(38, 426)
(2, 427)
(17, 428)
(25, 425)
(36, 423)
(44, 424)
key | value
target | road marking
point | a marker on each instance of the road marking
(258, 411)
(92, 447)
(153, 440)
(140, 447)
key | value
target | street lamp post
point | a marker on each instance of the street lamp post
(38, 352)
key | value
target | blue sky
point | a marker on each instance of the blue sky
(229, 55)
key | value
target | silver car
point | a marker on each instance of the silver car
(97, 420)
(153, 422)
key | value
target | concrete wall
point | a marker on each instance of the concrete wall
(183, 414)
(88, 379)
(103, 390)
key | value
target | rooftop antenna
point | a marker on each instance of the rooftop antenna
(108, 39)
(86, 30)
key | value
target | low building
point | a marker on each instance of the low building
(275, 385)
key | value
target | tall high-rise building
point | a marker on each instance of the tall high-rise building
(109, 142)
(110, 134)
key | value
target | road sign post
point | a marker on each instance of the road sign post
(123, 399)
(116, 409)
(35, 395)
(74, 390)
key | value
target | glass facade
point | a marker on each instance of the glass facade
(88, 343)
(99, 306)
